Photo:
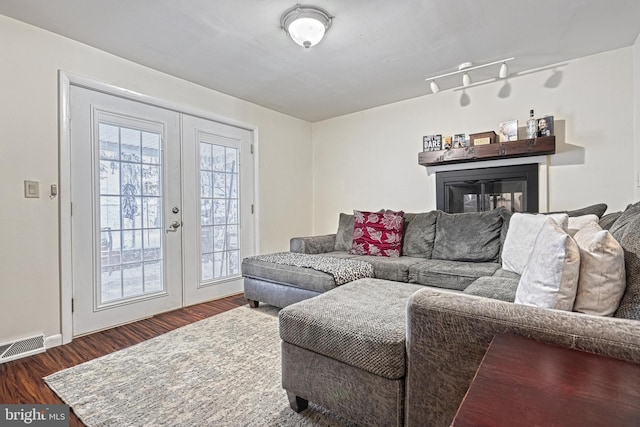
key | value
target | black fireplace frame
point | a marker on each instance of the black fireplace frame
(527, 172)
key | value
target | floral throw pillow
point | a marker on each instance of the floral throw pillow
(377, 233)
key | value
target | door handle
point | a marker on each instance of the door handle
(173, 227)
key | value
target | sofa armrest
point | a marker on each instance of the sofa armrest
(448, 334)
(313, 244)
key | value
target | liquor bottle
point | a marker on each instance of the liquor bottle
(532, 128)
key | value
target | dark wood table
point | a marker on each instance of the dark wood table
(522, 382)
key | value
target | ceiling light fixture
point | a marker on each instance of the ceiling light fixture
(306, 25)
(464, 69)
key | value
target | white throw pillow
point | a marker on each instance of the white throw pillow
(521, 236)
(602, 279)
(577, 223)
(550, 279)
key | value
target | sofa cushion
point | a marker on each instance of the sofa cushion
(630, 241)
(377, 233)
(501, 272)
(396, 269)
(624, 220)
(449, 274)
(344, 235)
(601, 283)
(298, 277)
(521, 237)
(362, 324)
(502, 288)
(419, 234)
(609, 219)
(550, 278)
(468, 236)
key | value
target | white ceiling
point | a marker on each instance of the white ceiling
(377, 51)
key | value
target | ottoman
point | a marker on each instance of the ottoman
(345, 350)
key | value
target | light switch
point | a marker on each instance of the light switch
(31, 189)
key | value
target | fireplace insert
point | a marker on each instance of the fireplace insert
(483, 189)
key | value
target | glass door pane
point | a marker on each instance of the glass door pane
(131, 208)
(219, 221)
(508, 193)
(464, 197)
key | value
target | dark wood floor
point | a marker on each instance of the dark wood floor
(21, 380)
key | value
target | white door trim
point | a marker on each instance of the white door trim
(65, 81)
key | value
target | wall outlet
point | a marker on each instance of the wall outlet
(31, 189)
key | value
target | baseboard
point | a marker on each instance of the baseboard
(53, 341)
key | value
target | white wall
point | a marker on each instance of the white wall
(29, 256)
(368, 160)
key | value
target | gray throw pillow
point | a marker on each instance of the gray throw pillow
(471, 237)
(419, 234)
(344, 236)
(598, 209)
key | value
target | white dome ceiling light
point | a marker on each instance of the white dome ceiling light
(306, 25)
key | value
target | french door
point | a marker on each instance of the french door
(161, 212)
(221, 230)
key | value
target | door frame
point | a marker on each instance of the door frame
(65, 81)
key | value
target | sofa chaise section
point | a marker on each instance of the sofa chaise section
(282, 285)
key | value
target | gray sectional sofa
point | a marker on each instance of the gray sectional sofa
(459, 252)
(401, 348)
(449, 251)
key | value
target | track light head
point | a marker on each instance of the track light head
(504, 71)
(466, 80)
(434, 86)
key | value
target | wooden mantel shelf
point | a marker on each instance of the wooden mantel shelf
(499, 150)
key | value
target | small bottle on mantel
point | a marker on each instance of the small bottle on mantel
(532, 128)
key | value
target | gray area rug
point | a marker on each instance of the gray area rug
(221, 371)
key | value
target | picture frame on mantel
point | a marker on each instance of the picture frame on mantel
(508, 131)
(446, 142)
(432, 143)
(545, 126)
(459, 140)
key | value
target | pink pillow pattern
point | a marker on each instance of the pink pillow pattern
(377, 233)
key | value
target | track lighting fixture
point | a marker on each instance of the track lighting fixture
(465, 68)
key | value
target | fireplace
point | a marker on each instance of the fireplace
(483, 189)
